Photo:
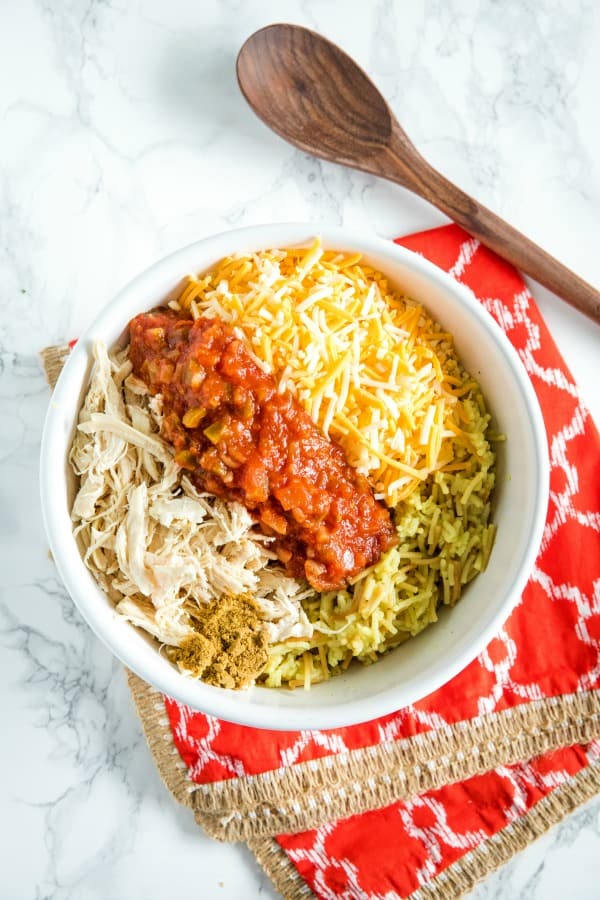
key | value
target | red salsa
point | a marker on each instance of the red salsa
(241, 439)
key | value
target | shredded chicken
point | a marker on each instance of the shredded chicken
(157, 547)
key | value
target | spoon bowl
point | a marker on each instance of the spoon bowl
(336, 110)
(311, 93)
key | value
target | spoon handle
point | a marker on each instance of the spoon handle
(496, 234)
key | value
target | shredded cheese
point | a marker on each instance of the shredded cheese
(363, 359)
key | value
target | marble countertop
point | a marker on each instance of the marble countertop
(123, 137)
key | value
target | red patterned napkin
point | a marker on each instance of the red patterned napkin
(426, 801)
(549, 648)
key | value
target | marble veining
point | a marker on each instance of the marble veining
(123, 136)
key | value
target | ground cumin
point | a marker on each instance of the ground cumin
(230, 647)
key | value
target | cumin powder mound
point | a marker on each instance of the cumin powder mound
(229, 649)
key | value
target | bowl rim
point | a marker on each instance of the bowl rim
(216, 701)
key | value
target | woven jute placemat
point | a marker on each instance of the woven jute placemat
(394, 770)
(280, 797)
(459, 878)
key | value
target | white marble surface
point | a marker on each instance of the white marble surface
(123, 136)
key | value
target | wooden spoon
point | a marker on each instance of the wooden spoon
(314, 95)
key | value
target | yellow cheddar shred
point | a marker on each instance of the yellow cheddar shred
(363, 359)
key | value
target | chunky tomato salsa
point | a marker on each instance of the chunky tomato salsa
(243, 440)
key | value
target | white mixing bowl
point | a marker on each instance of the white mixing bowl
(422, 664)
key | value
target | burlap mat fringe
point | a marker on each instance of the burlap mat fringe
(274, 861)
(151, 710)
(453, 882)
(472, 868)
(502, 739)
(461, 877)
(305, 795)
(53, 359)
